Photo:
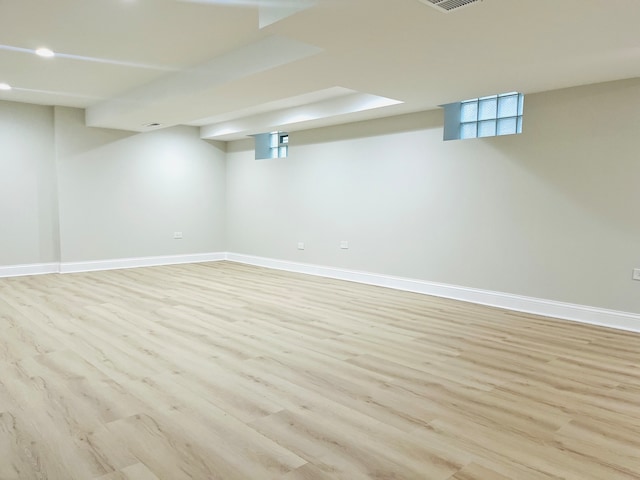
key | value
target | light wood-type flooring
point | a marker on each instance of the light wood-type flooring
(227, 371)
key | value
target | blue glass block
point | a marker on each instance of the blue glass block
(273, 140)
(283, 152)
(507, 126)
(469, 130)
(487, 108)
(508, 106)
(519, 127)
(487, 128)
(469, 111)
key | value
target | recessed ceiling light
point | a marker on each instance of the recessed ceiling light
(5, 86)
(45, 52)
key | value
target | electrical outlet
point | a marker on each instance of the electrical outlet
(177, 235)
(344, 244)
(300, 245)
(636, 274)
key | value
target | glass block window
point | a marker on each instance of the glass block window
(484, 117)
(272, 145)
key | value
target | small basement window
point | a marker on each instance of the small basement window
(484, 117)
(272, 145)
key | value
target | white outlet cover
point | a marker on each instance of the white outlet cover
(300, 245)
(177, 235)
(636, 274)
(344, 244)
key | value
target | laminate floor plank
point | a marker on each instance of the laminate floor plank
(474, 471)
(134, 472)
(535, 453)
(227, 371)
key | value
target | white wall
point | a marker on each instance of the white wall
(123, 195)
(70, 193)
(28, 215)
(551, 213)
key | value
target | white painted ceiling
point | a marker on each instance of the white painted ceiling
(241, 67)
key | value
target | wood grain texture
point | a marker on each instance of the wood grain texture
(226, 371)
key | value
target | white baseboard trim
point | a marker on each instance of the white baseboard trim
(114, 264)
(29, 269)
(548, 308)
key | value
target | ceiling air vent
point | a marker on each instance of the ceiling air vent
(448, 5)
